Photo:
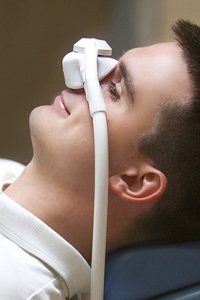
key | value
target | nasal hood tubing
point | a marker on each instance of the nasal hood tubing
(84, 68)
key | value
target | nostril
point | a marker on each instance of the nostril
(77, 91)
(80, 91)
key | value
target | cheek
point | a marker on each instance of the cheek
(77, 148)
(65, 146)
(121, 143)
(75, 154)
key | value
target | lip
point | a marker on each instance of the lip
(61, 105)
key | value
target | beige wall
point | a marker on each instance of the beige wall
(171, 10)
(152, 19)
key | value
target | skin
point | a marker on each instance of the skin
(58, 184)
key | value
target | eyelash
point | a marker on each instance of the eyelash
(113, 91)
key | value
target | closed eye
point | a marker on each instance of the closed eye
(113, 90)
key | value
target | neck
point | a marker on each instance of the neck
(55, 204)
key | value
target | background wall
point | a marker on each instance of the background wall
(34, 37)
(171, 10)
(36, 34)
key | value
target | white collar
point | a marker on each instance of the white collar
(33, 235)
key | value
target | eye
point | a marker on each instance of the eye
(113, 90)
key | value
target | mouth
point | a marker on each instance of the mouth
(61, 105)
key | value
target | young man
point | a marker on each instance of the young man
(152, 106)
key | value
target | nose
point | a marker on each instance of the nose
(77, 96)
(79, 91)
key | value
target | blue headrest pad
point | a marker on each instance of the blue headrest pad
(145, 272)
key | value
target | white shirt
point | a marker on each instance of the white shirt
(35, 262)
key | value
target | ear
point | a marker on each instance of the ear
(143, 185)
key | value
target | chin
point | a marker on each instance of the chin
(40, 117)
(37, 115)
(40, 125)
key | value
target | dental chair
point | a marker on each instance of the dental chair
(165, 272)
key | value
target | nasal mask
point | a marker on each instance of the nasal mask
(84, 68)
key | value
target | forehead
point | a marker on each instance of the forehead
(156, 51)
(158, 68)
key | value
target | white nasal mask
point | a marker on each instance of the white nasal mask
(74, 62)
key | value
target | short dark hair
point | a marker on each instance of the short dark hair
(174, 146)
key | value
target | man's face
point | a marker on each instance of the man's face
(63, 137)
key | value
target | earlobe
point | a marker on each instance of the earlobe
(144, 186)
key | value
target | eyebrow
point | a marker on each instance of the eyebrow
(128, 81)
